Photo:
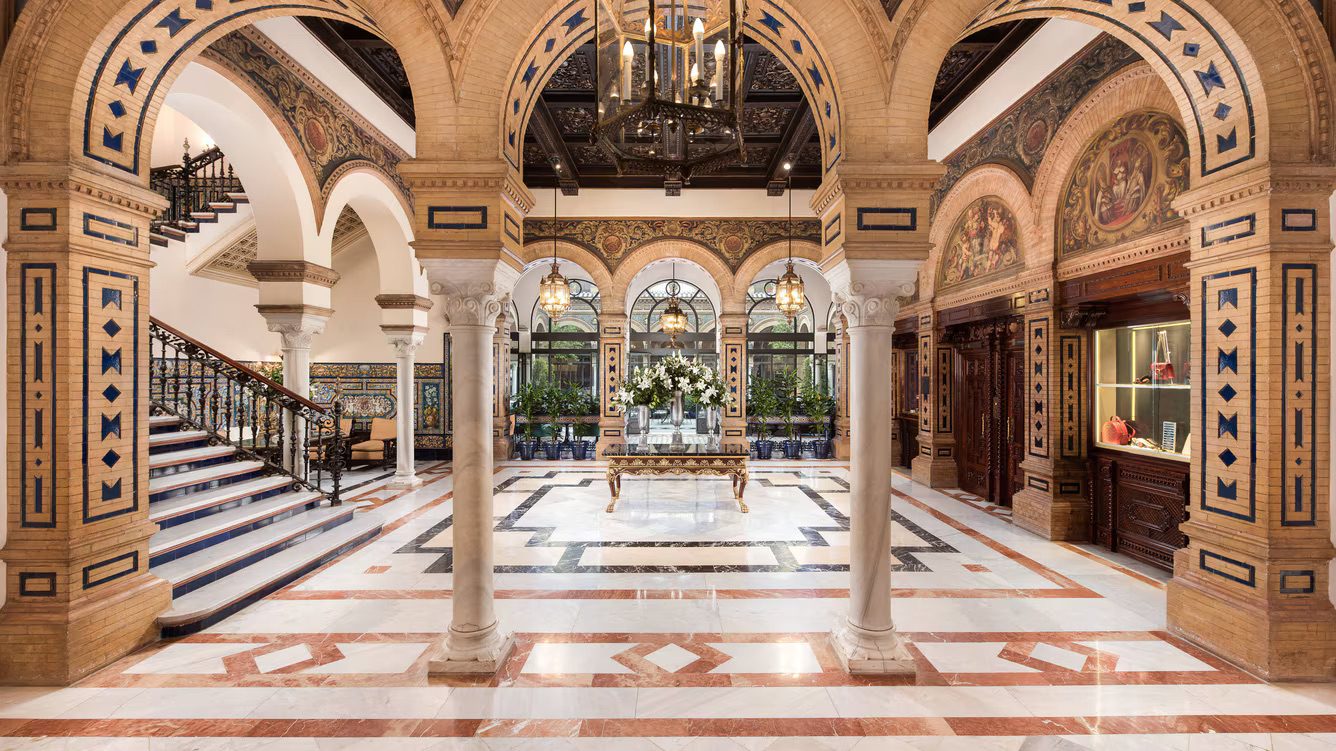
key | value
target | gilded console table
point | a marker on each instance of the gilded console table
(657, 459)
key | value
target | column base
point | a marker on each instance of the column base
(401, 482)
(1060, 519)
(935, 472)
(863, 652)
(1272, 643)
(476, 652)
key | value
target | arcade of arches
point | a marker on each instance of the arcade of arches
(302, 450)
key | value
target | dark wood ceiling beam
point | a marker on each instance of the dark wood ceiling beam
(548, 135)
(800, 130)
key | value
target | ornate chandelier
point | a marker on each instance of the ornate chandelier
(790, 294)
(673, 321)
(554, 292)
(665, 106)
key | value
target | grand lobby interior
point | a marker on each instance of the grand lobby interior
(667, 375)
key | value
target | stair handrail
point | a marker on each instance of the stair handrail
(194, 184)
(238, 406)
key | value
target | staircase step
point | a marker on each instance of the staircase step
(159, 240)
(160, 512)
(238, 198)
(235, 522)
(158, 440)
(174, 233)
(217, 600)
(223, 207)
(175, 458)
(201, 476)
(163, 421)
(204, 217)
(225, 558)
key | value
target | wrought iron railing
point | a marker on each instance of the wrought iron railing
(239, 407)
(194, 185)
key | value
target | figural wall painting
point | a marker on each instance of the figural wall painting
(1124, 184)
(985, 241)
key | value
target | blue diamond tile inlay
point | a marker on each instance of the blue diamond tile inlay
(549, 44)
(1228, 458)
(111, 393)
(148, 47)
(1136, 7)
(110, 458)
(797, 46)
(1228, 393)
(117, 108)
(1222, 111)
(204, 4)
(1228, 328)
(1191, 49)
(112, 328)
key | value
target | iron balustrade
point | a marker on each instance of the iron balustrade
(239, 407)
(194, 185)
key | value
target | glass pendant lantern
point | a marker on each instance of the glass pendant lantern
(554, 291)
(790, 293)
(673, 321)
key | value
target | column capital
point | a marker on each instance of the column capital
(404, 339)
(297, 324)
(475, 290)
(870, 292)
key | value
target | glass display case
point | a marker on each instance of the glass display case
(1143, 389)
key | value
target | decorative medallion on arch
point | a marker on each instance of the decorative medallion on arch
(984, 243)
(143, 52)
(766, 22)
(1209, 69)
(1124, 184)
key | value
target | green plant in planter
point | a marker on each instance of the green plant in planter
(816, 404)
(555, 408)
(786, 397)
(528, 402)
(762, 403)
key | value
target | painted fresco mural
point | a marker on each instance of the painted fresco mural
(1019, 138)
(614, 240)
(984, 242)
(1124, 184)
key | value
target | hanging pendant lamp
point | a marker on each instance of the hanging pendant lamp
(673, 321)
(790, 294)
(554, 291)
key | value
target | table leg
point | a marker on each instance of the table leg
(740, 482)
(614, 486)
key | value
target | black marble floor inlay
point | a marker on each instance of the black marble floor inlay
(569, 563)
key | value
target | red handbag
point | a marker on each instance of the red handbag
(1161, 364)
(1117, 431)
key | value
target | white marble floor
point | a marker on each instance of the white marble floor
(678, 623)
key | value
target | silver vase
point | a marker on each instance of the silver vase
(642, 418)
(675, 411)
(712, 421)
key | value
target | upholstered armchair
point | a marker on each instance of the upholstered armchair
(317, 452)
(380, 447)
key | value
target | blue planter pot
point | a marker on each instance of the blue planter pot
(552, 451)
(793, 449)
(764, 449)
(527, 449)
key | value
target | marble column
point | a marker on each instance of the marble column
(298, 325)
(475, 291)
(405, 341)
(869, 294)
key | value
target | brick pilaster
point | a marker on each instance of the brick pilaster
(79, 595)
(733, 364)
(935, 466)
(613, 330)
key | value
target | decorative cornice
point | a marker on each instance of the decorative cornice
(404, 302)
(47, 177)
(293, 271)
(1177, 239)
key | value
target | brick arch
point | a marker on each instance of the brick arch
(387, 216)
(989, 180)
(735, 297)
(590, 262)
(1236, 53)
(848, 95)
(100, 106)
(673, 248)
(1137, 88)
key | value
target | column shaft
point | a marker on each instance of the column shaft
(870, 480)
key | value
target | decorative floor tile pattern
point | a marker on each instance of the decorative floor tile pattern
(679, 624)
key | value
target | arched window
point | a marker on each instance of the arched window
(651, 303)
(776, 344)
(566, 349)
(763, 317)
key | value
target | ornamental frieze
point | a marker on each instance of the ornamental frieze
(613, 240)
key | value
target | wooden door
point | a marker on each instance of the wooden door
(1013, 438)
(974, 421)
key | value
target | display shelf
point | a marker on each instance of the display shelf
(1150, 386)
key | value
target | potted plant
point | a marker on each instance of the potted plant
(762, 403)
(818, 406)
(583, 404)
(554, 407)
(528, 402)
(786, 395)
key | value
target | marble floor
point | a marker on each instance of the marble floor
(677, 623)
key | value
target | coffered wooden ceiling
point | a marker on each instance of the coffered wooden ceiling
(776, 122)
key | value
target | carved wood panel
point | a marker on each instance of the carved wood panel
(1140, 502)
